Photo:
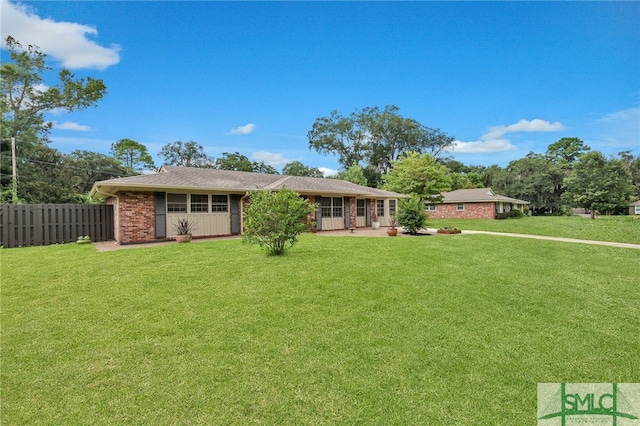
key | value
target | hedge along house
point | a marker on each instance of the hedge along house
(477, 203)
(146, 207)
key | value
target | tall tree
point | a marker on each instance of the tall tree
(632, 165)
(535, 178)
(24, 100)
(377, 137)
(187, 154)
(133, 155)
(598, 184)
(354, 174)
(296, 168)
(339, 135)
(234, 161)
(83, 168)
(262, 167)
(418, 175)
(566, 151)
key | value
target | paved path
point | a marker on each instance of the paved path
(370, 232)
(565, 240)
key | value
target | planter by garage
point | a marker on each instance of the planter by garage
(183, 238)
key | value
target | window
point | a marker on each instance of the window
(177, 203)
(199, 203)
(392, 207)
(380, 208)
(460, 207)
(637, 209)
(219, 203)
(430, 207)
(337, 207)
(360, 208)
(331, 207)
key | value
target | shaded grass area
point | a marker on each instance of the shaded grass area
(622, 229)
(428, 330)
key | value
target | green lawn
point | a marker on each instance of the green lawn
(623, 229)
(342, 330)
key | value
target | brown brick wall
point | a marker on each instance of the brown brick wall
(352, 212)
(471, 211)
(136, 220)
(372, 207)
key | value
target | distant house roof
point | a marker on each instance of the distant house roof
(635, 203)
(171, 178)
(477, 195)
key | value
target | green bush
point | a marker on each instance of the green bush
(412, 215)
(275, 219)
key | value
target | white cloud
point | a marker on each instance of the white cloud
(66, 42)
(242, 130)
(71, 125)
(275, 160)
(496, 145)
(616, 131)
(327, 171)
(494, 140)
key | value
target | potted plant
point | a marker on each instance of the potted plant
(448, 230)
(184, 227)
(393, 222)
(375, 224)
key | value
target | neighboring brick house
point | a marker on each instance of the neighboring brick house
(634, 208)
(147, 206)
(478, 203)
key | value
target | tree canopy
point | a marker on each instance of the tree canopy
(418, 175)
(133, 155)
(377, 137)
(296, 168)
(187, 154)
(598, 184)
(24, 101)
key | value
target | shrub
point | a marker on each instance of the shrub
(412, 215)
(275, 219)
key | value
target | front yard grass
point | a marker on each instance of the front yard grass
(622, 229)
(342, 330)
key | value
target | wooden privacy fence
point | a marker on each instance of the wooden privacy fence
(44, 224)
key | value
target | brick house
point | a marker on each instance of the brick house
(477, 203)
(146, 207)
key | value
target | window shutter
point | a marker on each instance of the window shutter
(161, 214)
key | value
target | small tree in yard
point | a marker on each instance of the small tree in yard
(274, 219)
(412, 215)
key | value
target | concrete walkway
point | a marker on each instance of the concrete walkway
(370, 232)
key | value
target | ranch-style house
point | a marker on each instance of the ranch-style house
(477, 203)
(146, 207)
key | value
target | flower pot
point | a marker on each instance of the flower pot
(375, 225)
(392, 232)
(183, 238)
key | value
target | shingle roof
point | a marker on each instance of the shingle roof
(194, 179)
(477, 195)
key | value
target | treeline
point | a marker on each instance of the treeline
(375, 147)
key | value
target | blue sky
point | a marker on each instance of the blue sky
(503, 78)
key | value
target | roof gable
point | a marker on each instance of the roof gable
(477, 195)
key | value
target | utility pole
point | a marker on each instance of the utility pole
(14, 172)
